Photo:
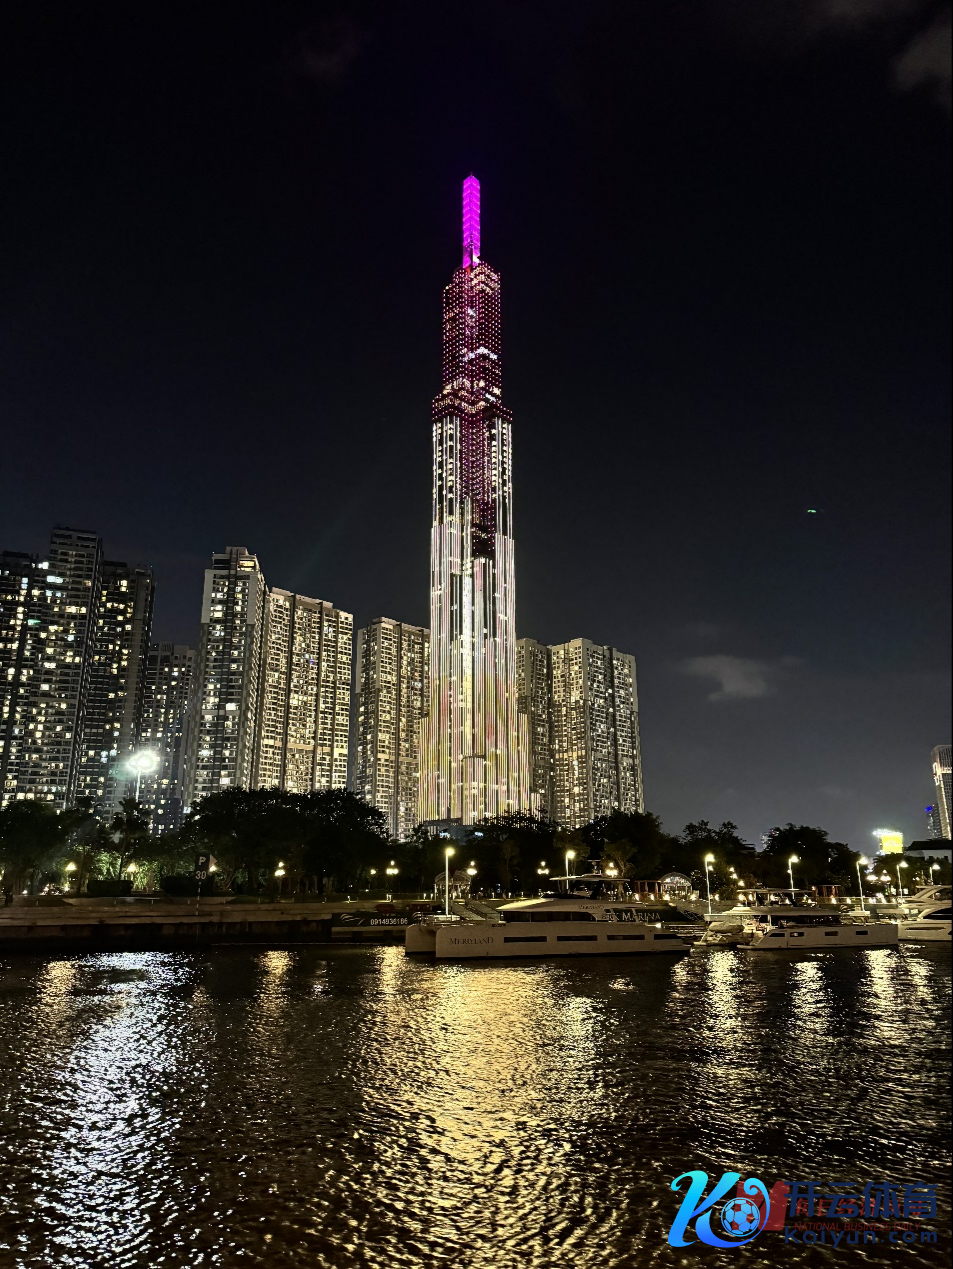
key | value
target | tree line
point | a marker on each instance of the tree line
(268, 840)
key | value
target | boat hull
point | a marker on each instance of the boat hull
(926, 931)
(840, 936)
(558, 938)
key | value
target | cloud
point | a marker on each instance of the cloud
(738, 678)
(927, 61)
(914, 33)
(325, 52)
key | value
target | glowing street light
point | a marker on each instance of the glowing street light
(70, 869)
(472, 870)
(902, 864)
(791, 862)
(709, 860)
(933, 868)
(863, 860)
(570, 855)
(143, 763)
(447, 852)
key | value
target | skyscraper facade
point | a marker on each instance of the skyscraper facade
(942, 760)
(302, 736)
(471, 763)
(112, 713)
(223, 726)
(534, 688)
(169, 677)
(597, 764)
(48, 636)
(392, 677)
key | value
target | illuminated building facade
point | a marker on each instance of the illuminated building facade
(112, 712)
(222, 729)
(942, 761)
(47, 637)
(302, 735)
(392, 677)
(534, 688)
(597, 764)
(170, 669)
(471, 760)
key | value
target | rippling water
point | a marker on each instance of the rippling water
(350, 1108)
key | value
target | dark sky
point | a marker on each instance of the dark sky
(723, 235)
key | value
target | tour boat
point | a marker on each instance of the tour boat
(779, 931)
(593, 916)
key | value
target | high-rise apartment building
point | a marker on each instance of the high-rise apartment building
(942, 760)
(223, 726)
(534, 688)
(597, 766)
(169, 677)
(471, 760)
(112, 713)
(48, 639)
(302, 739)
(393, 668)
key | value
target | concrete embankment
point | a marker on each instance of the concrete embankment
(124, 925)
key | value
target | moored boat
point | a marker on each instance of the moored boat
(777, 932)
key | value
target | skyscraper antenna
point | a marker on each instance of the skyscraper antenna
(471, 221)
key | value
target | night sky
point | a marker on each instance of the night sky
(723, 236)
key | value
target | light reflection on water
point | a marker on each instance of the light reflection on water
(348, 1107)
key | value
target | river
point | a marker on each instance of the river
(352, 1109)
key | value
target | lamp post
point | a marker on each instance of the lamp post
(860, 881)
(791, 862)
(902, 864)
(143, 763)
(933, 868)
(709, 860)
(448, 851)
(70, 869)
(570, 855)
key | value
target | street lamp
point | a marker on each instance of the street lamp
(143, 763)
(860, 881)
(902, 864)
(70, 868)
(791, 862)
(709, 860)
(933, 868)
(570, 855)
(448, 851)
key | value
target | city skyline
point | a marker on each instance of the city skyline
(728, 364)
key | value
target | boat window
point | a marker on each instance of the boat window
(861, 932)
(942, 914)
(627, 938)
(831, 934)
(576, 938)
(524, 938)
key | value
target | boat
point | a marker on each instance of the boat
(735, 926)
(779, 931)
(591, 914)
(932, 923)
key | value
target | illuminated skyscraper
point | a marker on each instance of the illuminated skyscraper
(302, 736)
(48, 637)
(597, 763)
(112, 712)
(534, 687)
(942, 759)
(169, 677)
(393, 667)
(223, 725)
(471, 764)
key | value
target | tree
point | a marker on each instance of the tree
(507, 849)
(820, 862)
(32, 838)
(343, 834)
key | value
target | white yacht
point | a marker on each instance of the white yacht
(932, 923)
(735, 926)
(589, 915)
(778, 931)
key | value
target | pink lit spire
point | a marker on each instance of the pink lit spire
(471, 221)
